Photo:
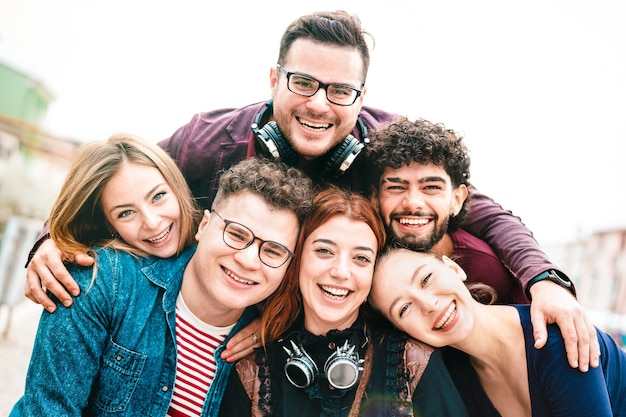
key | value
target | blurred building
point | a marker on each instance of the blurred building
(33, 165)
(597, 265)
(33, 162)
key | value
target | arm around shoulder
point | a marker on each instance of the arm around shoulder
(567, 391)
(47, 271)
(512, 241)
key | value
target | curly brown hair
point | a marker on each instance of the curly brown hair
(280, 185)
(402, 141)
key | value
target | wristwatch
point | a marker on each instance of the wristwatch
(553, 276)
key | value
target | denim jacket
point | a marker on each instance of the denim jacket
(113, 353)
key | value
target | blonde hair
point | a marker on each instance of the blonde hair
(77, 222)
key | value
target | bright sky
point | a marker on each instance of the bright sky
(538, 88)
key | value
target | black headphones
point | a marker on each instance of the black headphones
(274, 145)
(342, 369)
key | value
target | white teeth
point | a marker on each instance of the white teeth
(159, 238)
(413, 222)
(315, 125)
(335, 293)
(236, 278)
(447, 318)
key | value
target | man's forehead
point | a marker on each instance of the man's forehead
(415, 172)
(319, 60)
(249, 204)
(265, 220)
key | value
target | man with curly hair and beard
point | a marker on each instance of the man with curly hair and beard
(421, 187)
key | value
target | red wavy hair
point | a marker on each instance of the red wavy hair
(283, 307)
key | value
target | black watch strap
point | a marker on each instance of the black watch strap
(553, 276)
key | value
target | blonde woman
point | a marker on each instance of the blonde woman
(124, 193)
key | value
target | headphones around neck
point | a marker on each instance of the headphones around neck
(342, 369)
(274, 145)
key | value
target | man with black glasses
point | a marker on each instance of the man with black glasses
(144, 338)
(316, 121)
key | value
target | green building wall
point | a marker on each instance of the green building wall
(22, 97)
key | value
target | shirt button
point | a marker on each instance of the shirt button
(332, 345)
(164, 388)
(118, 358)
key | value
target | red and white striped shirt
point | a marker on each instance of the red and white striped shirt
(195, 364)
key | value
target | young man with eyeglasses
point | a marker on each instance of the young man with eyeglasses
(316, 121)
(144, 338)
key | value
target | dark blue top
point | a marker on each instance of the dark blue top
(556, 389)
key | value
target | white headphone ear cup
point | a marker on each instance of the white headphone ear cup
(342, 368)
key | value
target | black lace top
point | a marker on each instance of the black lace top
(407, 378)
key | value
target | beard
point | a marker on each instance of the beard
(420, 243)
(305, 147)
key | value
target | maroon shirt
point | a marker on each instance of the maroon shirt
(213, 141)
(481, 264)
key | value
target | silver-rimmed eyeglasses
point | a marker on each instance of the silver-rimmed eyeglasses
(303, 85)
(239, 237)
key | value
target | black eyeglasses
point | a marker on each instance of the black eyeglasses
(303, 85)
(239, 237)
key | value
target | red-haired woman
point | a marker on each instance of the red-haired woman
(322, 356)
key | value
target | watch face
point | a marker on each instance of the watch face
(555, 277)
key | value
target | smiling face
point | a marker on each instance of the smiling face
(140, 206)
(220, 282)
(336, 273)
(416, 201)
(313, 125)
(423, 296)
